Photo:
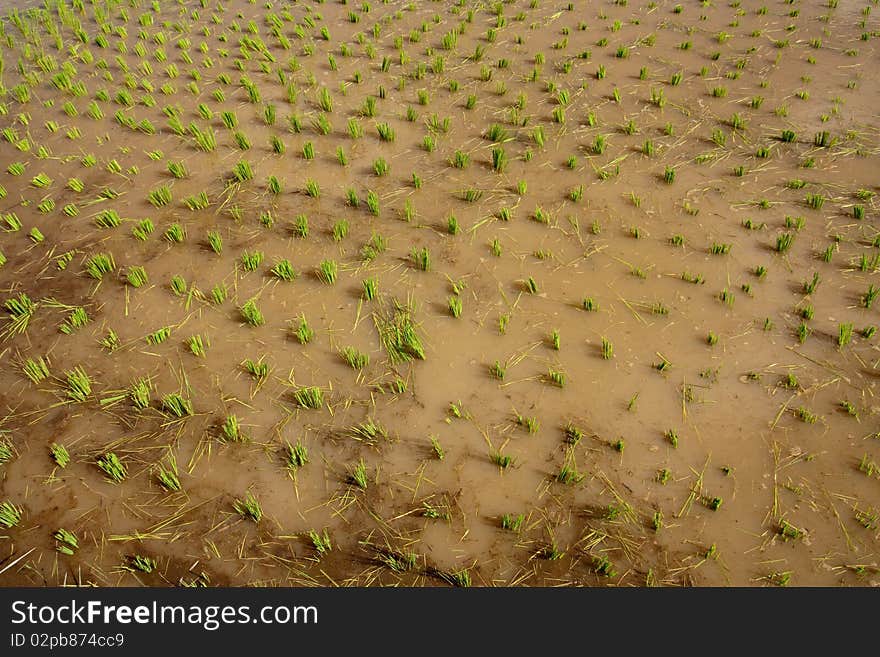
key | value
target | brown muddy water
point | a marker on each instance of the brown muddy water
(631, 248)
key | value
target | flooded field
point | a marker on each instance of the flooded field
(427, 293)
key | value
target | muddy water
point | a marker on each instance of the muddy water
(756, 492)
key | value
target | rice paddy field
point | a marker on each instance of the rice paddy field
(520, 293)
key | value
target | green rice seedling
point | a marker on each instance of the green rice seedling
(66, 541)
(557, 377)
(398, 333)
(437, 449)
(242, 172)
(159, 336)
(530, 424)
(177, 405)
(141, 563)
(530, 285)
(380, 167)
(230, 120)
(15, 169)
(497, 370)
(452, 226)
(869, 264)
(75, 320)
(300, 227)
(870, 296)
(41, 181)
(13, 223)
(159, 197)
(355, 129)
(178, 285)
(259, 370)
(496, 133)
(321, 542)
(100, 264)
(607, 349)
(136, 276)
(868, 467)
(113, 467)
(322, 124)
(248, 507)
(251, 313)
(499, 160)
(143, 229)
(167, 475)
(371, 289)
(284, 271)
(219, 293)
(858, 212)
(805, 415)
(140, 393)
(811, 285)
(20, 310)
(36, 370)
(273, 185)
(503, 461)
(815, 201)
(309, 397)
(269, 114)
(35, 235)
(231, 429)
(277, 145)
(455, 306)
(850, 409)
(568, 474)
(304, 333)
(79, 384)
(386, 132)
(369, 432)
(111, 342)
(460, 160)
(359, 476)
(573, 434)
(355, 359)
(199, 201)
(177, 170)
(421, 258)
(312, 189)
(325, 101)
(669, 175)
(844, 334)
(6, 451)
(308, 151)
(197, 345)
(512, 522)
(10, 514)
(327, 271)
(108, 219)
(784, 242)
(295, 456)
(251, 260)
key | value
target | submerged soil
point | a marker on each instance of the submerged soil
(646, 324)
